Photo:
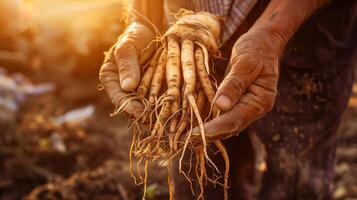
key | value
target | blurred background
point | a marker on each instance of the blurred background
(56, 138)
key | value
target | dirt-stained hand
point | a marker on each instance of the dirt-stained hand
(248, 91)
(120, 72)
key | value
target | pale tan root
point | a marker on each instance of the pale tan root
(224, 153)
(145, 178)
(188, 67)
(186, 143)
(173, 73)
(158, 78)
(173, 124)
(161, 118)
(148, 75)
(189, 73)
(158, 129)
(174, 110)
(131, 167)
(181, 31)
(201, 100)
(139, 138)
(138, 171)
(187, 176)
(205, 56)
(215, 181)
(201, 157)
(204, 79)
(173, 80)
(170, 179)
(202, 130)
(182, 127)
(178, 133)
(162, 121)
(214, 81)
(200, 105)
(154, 111)
(191, 60)
(184, 109)
(189, 77)
(142, 115)
(124, 103)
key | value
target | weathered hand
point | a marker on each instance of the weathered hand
(120, 72)
(249, 89)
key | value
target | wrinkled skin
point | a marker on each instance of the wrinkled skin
(120, 72)
(249, 89)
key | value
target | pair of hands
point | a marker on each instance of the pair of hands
(246, 94)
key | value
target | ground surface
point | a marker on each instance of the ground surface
(76, 160)
(89, 160)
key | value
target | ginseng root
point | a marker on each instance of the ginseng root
(175, 89)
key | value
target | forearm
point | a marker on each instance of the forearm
(282, 18)
(149, 12)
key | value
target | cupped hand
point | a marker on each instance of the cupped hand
(248, 91)
(120, 72)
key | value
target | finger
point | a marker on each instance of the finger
(131, 51)
(252, 106)
(245, 69)
(108, 77)
(126, 57)
(143, 39)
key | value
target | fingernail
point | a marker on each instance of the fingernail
(223, 102)
(127, 83)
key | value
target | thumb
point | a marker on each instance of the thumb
(132, 46)
(126, 58)
(240, 76)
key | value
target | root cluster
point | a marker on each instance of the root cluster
(177, 92)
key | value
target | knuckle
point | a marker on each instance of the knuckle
(235, 122)
(106, 70)
(271, 104)
(269, 107)
(124, 48)
(123, 66)
(102, 75)
(232, 127)
(116, 99)
(119, 48)
(109, 55)
(235, 86)
(267, 99)
(103, 72)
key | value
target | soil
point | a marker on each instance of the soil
(90, 160)
(86, 160)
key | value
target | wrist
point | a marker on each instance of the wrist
(273, 38)
(145, 26)
(141, 11)
(281, 19)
